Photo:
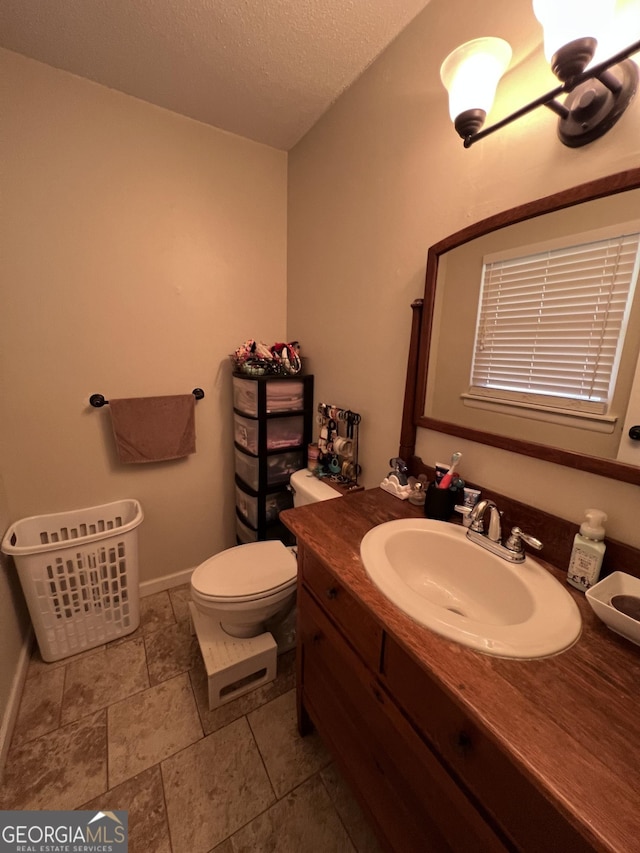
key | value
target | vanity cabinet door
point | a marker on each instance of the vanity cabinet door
(413, 802)
(506, 795)
(355, 622)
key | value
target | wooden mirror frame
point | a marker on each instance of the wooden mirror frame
(418, 362)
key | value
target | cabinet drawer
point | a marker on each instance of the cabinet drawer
(507, 796)
(358, 626)
(415, 804)
(244, 533)
(280, 467)
(281, 395)
(281, 432)
(249, 505)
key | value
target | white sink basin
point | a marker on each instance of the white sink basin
(431, 571)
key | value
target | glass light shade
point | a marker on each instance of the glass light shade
(471, 74)
(623, 30)
(564, 21)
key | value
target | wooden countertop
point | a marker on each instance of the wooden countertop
(570, 722)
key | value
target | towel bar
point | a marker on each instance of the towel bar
(98, 401)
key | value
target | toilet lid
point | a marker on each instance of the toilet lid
(246, 570)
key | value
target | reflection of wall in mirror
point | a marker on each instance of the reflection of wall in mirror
(455, 310)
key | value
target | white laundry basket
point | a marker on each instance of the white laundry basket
(79, 574)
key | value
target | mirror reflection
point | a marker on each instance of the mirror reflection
(449, 394)
(590, 432)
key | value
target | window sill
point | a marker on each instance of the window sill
(578, 420)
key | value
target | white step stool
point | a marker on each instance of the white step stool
(234, 665)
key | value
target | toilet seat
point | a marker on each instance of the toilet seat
(246, 572)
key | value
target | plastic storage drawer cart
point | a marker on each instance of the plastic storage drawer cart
(79, 574)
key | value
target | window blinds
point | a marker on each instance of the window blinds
(551, 325)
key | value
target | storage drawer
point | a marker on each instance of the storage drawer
(281, 432)
(245, 533)
(354, 620)
(523, 813)
(416, 805)
(281, 396)
(248, 505)
(280, 467)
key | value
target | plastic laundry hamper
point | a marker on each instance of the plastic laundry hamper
(79, 574)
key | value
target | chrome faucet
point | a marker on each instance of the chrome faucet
(494, 533)
(513, 548)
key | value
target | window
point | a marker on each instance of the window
(551, 323)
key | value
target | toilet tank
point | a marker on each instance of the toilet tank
(308, 489)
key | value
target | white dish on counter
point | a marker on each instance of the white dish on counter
(599, 597)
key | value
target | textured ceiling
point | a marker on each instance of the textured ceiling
(264, 69)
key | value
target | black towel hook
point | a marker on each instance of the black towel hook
(98, 401)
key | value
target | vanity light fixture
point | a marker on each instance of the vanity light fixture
(596, 97)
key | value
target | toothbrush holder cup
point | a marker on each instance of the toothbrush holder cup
(439, 503)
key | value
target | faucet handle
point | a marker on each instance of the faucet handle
(517, 537)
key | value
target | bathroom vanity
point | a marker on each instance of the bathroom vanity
(449, 749)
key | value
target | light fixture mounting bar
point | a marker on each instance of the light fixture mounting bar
(599, 72)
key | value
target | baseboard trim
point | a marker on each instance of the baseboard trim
(15, 695)
(166, 582)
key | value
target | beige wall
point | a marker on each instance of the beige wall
(139, 249)
(380, 178)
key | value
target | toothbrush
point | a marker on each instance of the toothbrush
(445, 482)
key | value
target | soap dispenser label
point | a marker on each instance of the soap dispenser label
(583, 569)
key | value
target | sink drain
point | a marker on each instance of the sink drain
(455, 610)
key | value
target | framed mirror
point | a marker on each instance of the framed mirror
(443, 335)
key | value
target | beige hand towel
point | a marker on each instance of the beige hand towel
(154, 429)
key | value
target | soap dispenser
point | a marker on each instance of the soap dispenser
(588, 551)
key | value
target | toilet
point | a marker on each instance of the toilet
(242, 587)
(245, 585)
(235, 592)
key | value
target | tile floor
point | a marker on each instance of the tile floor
(127, 726)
